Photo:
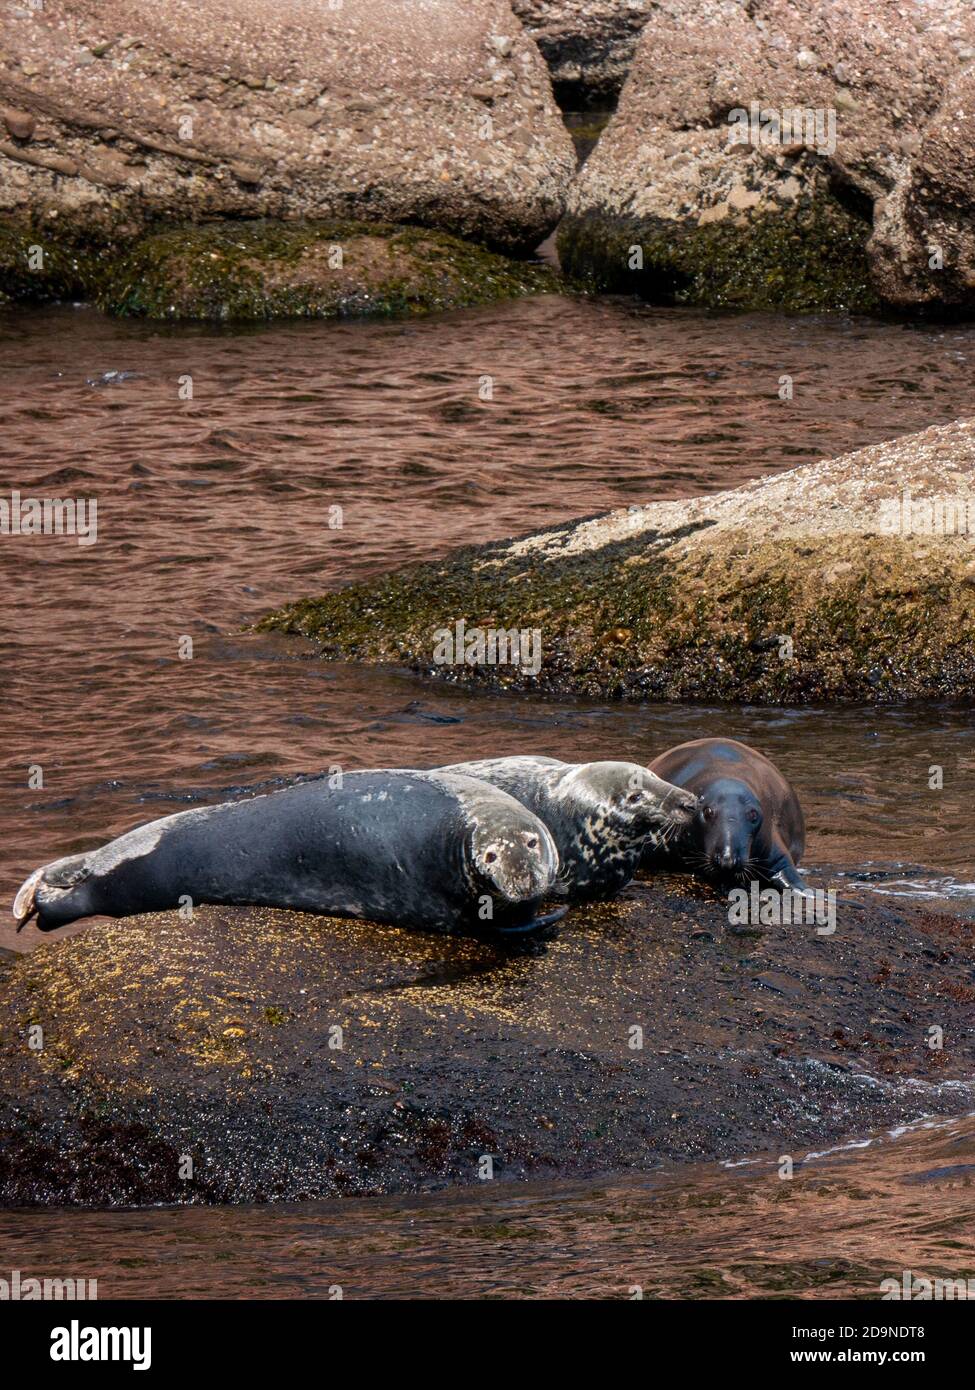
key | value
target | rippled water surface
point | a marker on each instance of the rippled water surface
(844, 1222)
(215, 508)
(217, 463)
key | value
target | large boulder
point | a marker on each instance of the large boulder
(852, 579)
(251, 1054)
(754, 142)
(118, 115)
(588, 44)
(923, 246)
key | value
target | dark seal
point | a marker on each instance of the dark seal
(429, 850)
(601, 815)
(748, 824)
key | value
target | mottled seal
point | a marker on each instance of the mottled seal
(431, 850)
(749, 823)
(601, 815)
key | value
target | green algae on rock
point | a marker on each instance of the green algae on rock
(248, 271)
(260, 270)
(786, 154)
(810, 260)
(833, 582)
(290, 1056)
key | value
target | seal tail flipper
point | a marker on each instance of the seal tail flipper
(25, 903)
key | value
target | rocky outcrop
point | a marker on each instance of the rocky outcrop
(116, 118)
(588, 44)
(756, 147)
(852, 579)
(250, 1055)
(124, 112)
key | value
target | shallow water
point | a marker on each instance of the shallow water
(844, 1222)
(213, 509)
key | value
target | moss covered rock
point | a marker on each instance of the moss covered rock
(808, 259)
(252, 1054)
(757, 159)
(852, 579)
(259, 270)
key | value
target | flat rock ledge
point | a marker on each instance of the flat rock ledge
(245, 271)
(252, 1055)
(846, 580)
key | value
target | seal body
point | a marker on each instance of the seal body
(435, 851)
(748, 824)
(601, 815)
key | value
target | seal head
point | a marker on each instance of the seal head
(748, 824)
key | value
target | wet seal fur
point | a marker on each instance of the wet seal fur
(749, 824)
(416, 849)
(601, 815)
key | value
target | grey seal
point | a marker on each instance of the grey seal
(436, 851)
(601, 815)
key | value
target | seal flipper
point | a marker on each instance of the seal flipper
(25, 903)
(534, 924)
(56, 894)
(784, 874)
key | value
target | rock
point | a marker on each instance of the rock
(923, 246)
(650, 211)
(852, 579)
(290, 1056)
(256, 270)
(201, 90)
(259, 270)
(20, 124)
(588, 44)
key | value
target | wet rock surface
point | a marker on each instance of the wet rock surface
(218, 1040)
(851, 579)
(249, 271)
(118, 116)
(803, 216)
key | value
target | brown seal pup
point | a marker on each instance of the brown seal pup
(748, 824)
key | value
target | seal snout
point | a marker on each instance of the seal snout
(680, 807)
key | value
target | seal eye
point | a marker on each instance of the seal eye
(633, 798)
(707, 813)
(532, 842)
(490, 857)
(753, 816)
